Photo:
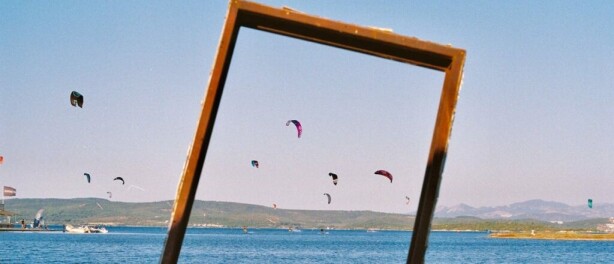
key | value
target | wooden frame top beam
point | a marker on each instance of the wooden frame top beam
(370, 40)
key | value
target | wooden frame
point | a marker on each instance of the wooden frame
(367, 40)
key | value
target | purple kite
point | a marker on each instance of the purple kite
(385, 174)
(299, 128)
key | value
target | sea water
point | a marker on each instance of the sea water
(205, 245)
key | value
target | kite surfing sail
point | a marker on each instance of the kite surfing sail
(1, 160)
(120, 179)
(299, 128)
(135, 187)
(407, 197)
(590, 203)
(327, 195)
(274, 206)
(255, 163)
(385, 174)
(38, 218)
(334, 177)
(110, 194)
(87, 176)
(76, 99)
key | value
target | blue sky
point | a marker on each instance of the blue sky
(534, 118)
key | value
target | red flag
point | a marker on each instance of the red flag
(9, 191)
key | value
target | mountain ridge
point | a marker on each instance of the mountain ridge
(530, 209)
(532, 214)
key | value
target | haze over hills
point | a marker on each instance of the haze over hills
(210, 213)
(532, 209)
(533, 214)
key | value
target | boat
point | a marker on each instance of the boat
(98, 229)
(294, 229)
(85, 229)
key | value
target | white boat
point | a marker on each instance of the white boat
(72, 229)
(98, 229)
(85, 229)
(294, 229)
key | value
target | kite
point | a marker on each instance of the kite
(334, 177)
(327, 195)
(407, 197)
(135, 187)
(1, 160)
(76, 99)
(255, 163)
(274, 206)
(385, 174)
(119, 178)
(590, 203)
(87, 175)
(110, 194)
(299, 128)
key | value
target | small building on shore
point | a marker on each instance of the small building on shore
(5, 217)
(608, 228)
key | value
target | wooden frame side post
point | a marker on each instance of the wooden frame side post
(193, 167)
(436, 161)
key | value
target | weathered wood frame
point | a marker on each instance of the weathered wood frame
(368, 40)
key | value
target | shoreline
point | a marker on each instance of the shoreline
(15, 229)
(560, 235)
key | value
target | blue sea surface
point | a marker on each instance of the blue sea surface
(205, 245)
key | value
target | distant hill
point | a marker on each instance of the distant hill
(91, 210)
(534, 214)
(532, 209)
(95, 210)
